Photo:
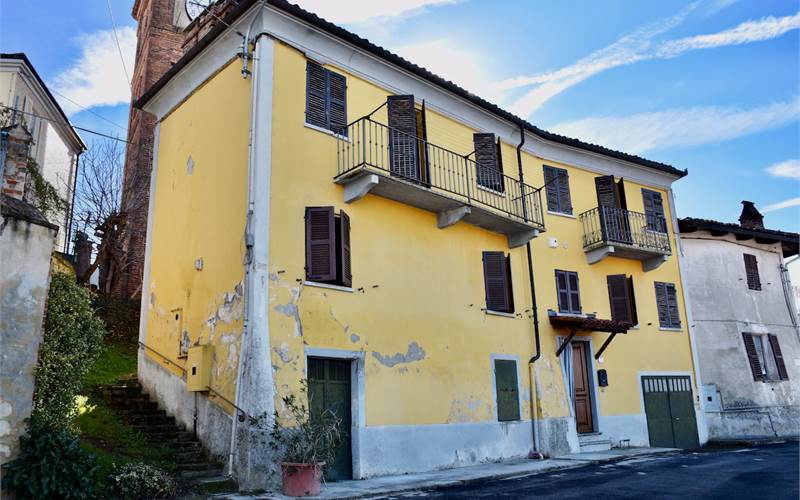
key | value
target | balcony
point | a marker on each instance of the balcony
(377, 159)
(622, 233)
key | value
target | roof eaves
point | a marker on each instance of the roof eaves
(381, 52)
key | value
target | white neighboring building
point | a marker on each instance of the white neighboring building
(56, 146)
(746, 325)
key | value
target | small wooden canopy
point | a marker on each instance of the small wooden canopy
(576, 323)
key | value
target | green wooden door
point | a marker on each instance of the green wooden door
(329, 389)
(669, 407)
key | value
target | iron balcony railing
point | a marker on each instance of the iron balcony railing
(610, 225)
(370, 145)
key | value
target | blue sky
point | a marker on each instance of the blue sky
(708, 85)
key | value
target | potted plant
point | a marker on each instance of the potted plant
(303, 444)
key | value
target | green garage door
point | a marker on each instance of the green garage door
(669, 407)
(329, 389)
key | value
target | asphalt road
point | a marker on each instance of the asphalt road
(762, 472)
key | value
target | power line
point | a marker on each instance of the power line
(71, 125)
(84, 108)
(116, 39)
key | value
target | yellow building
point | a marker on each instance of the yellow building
(446, 276)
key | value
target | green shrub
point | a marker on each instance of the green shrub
(51, 464)
(121, 317)
(72, 341)
(139, 480)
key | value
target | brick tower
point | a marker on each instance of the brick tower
(159, 45)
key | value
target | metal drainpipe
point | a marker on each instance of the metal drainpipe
(72, 205)
(786, 284)
(533, 300)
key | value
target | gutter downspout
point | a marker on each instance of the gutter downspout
(786, 282)
(72, 204)
(531, 377)
(248, 235)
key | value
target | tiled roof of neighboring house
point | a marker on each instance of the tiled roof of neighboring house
(378, 51)
(789, 241)
(22, 57)
(22, 210)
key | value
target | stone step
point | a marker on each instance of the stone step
(195, 466)
(206, 472)
(215, 484)
(164, 428)
(183, 445)
(596, 445)
(190, 455)
(151, 419)
(142, 412)
(174, 437)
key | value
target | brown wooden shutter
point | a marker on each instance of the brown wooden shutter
(486, 160)
(551, 182)
(661, 304)
(404, 161)
(632, 300)
(316, 95)
(778, 355)
(574, 294)
(752, 357)
(618, 298)
(672, 306)
(751, 269)
(320, 244)
(422, 134)
(654, 210)
(562, 288)
(344, 242)
(496, 280)
(337, 103)
(607, 195)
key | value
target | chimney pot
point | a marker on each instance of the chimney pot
(751, 218)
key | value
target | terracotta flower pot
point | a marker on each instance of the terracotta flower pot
(301, 480)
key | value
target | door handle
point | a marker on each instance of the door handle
(677, 418)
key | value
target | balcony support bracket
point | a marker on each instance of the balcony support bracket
(518, 239)
(598, 254)
(359, 187)
(447, 218)
(654, 263)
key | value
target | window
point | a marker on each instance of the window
(497, 279)
(326, 99)
(488, 162)
(621, 300)
(751, 269)
(654, 211)
(765, 357)
(569, 299)
(505, 380)
(328, 246)
(667, 303)
(556, 181)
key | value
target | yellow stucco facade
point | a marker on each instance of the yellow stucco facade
(415, 318)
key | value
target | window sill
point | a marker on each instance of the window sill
(328, 286)
(500, 313)
(326, 131)
(490, 190)
(571, 315)
(561, 214)
(665, 329)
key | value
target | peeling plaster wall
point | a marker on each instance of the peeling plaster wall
(741, 407)
(416, 307)
(25, 251)
(195, 292)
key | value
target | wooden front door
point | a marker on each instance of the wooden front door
(582, 392)
(329, 389)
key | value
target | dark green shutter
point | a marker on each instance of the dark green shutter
(654, 211)
(672, 306)
(337, 103)
(557, 190)
(344, 242)
(569, 300)
(667, 304)
(505, 377)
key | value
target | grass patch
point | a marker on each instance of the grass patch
(117, 360)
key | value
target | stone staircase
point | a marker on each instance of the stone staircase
(593, 442)
(192, 464)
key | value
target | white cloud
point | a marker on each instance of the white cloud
(97, 77)
(463, 67)
(791, 202)
(679, 127)
(357, 11)
(640, 46)
(788, 168)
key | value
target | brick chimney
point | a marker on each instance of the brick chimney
(16, 145)
(751, 218)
